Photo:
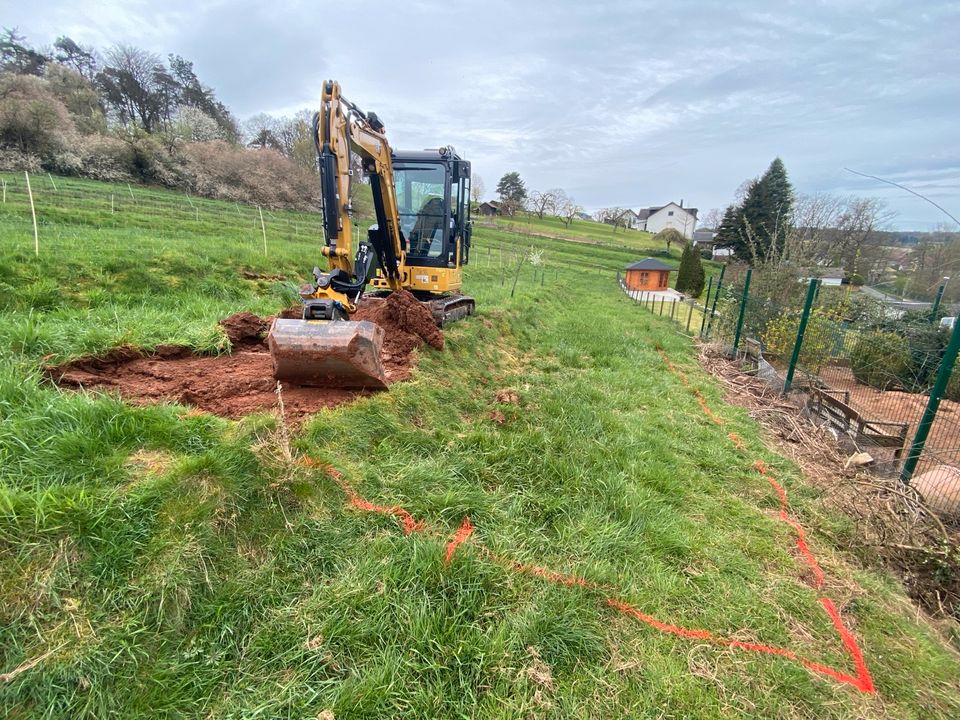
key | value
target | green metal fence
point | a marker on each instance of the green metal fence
(882, 376)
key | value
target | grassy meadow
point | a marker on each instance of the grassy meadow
(159, 562)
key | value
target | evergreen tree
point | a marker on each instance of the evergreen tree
(766, 216)
(728, 234)
(512, 192)
(690, 277)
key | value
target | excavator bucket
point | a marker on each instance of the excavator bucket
(327, 353)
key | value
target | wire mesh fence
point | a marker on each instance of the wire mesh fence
(881, 375)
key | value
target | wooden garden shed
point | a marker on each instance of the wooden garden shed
(648, 274)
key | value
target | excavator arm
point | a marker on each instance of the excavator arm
(341, 128)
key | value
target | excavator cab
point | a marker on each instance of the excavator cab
(420, 243)
(433, 208)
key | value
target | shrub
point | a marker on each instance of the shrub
(264, 177)
(32, 120)
(881, 359)
(819, 339)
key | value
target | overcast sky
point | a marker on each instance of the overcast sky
(619, 103)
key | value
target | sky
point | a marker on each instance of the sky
(619, 103)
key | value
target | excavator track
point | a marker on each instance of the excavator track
(446, 310)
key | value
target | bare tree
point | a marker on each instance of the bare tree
(616, 216)
(477, 188)
(713, 218)
(568, 210)
(542, 203)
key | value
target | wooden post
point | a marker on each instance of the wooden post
(33, 212)
(263, 229)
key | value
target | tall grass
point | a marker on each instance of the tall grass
(166, 563)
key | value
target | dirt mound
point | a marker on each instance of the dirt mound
(402, 313)
(245, 328)
(241, 383)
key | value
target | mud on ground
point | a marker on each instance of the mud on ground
(241, 383)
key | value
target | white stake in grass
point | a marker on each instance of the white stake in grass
(33, 211)
(52, 182)
(263, 229)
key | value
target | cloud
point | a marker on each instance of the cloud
(620, 103)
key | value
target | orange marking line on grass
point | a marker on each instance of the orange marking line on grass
(785, 517)
(862, 681)
(465, 531)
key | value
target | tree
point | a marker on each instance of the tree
(669, 236)
(19, 58)
(82, 60)
(712, 220)
(568, 210)
(79, 96)
(690, 277)
(477, 188)
(131, 88)
(512, 192)
(32, 119)
(728, 230)
(616, 216)
(766, 216)
(542, 203)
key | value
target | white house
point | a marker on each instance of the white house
(632, 220)
(671, 215)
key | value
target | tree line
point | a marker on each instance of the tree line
(127, 114)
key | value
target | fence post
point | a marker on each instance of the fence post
(689, 316)
(716, 294)
(798, 345)
(662, 301)
(33, 212)
(936, 303)
(673, 309)
(933, 403)
(706, 304)
(263, 229)
(743, 310)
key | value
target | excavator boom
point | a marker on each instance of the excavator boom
(325, 347)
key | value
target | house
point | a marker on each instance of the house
(827, 276)
(721, 254)
(660, 217)
(704, 238)
(648, 275)
(631, 220)
(490, 207)
(585, 216)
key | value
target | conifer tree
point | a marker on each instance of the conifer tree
(690, 277)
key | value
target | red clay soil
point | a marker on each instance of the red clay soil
(241, 383)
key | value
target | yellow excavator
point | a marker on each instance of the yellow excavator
(420, 243)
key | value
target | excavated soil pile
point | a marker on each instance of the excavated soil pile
(242, 382)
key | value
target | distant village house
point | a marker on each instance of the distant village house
(657, 218)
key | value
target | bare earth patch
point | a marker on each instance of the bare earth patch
(241, 383)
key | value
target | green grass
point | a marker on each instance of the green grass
(168, 564)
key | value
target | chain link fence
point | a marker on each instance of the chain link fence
(880, 374)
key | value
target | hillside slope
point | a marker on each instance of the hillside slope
(161, 561)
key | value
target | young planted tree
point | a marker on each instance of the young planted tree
(669, 236)
(690, 277)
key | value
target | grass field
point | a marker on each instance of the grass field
(159, 562)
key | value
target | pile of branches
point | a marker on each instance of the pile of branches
(894, 526)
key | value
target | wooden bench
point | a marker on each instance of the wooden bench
(834, 405)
